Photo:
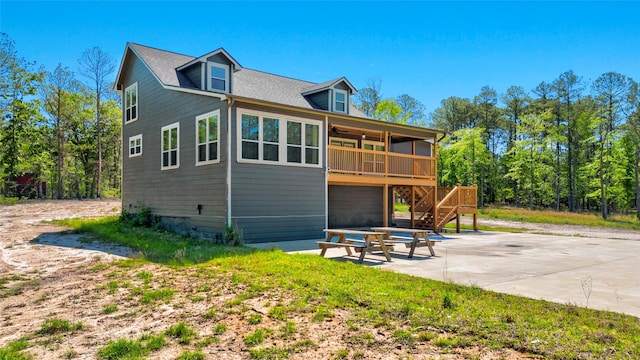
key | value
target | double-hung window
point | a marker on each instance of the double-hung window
(273, 139)
(260, 138)
(170, 146)
(303, 143)
(131, 103)
(135, 145)
(208, 144)
(218, 77)
(339, 101)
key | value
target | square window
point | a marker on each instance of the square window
(135, 146)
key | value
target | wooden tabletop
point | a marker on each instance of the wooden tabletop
(402, 230)
(350, 232)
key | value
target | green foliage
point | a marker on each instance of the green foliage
(157, 246)
(404, 305)
(187, 355)
(110, 309)
(143, 217)
(13, 351)
(256, 337)
(54, 326)
(388, 110)
(131, 349)
(183, 333)
(123, 349)
(151, 296)
(233, 235)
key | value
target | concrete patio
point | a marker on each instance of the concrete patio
(553, 268)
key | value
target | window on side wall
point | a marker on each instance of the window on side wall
(340, 101)
(208, 144)
(260, 138)
(135, 145)
(303, 143)
(131, 103)
(218, 77)
(271, 139)
(170, 146)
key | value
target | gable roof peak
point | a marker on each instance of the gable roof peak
(327, 85)
(204, 58)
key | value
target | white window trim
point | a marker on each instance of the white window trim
(133, 139)
(206, 116)
(351, 141)
(346, 101)
(124, 104)
(209, 77)
(374, 143)
(282, 144)
(164, 128)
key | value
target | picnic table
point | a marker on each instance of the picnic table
(371, 241)
(418, 238)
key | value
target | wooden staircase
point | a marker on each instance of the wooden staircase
(432, 208)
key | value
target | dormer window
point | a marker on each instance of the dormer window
(218, 77)
(340, 101)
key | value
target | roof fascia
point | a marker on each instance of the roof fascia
(331, 86)
(373, 122)
(124, 55)
(205, 56)
(164, 86)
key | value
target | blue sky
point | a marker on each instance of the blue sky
(429, 50)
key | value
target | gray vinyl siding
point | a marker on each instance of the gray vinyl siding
(320, 100)
(173, 194)
(194, 74)
(277, 202)
(355, 206)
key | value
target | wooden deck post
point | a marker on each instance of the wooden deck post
(385, 205)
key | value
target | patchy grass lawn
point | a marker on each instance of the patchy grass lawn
(213, 300)
(560, 217)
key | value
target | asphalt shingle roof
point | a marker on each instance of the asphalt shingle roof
(246, 82)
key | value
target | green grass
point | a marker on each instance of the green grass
(13, 351)
(562, 218)
(405, 306)
(181, 332)
(131, 349)
(152, 245)
(55, 326)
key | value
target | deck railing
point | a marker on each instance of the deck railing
(370, 162)
(466, 196)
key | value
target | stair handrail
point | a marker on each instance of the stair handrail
(453, 192)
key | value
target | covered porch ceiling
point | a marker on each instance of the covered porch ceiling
(340, 130)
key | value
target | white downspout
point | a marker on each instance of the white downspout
(229, 140)
(326, 173)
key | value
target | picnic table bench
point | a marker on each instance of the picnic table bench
(418, 238)
(371, 241)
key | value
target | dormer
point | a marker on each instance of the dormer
(212, 71)
(334, 95)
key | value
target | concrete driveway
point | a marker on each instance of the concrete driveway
(561, 269)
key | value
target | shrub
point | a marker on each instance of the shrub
(144, 218)
(233, 235)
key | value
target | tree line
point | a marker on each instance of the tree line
(568, 144)
(60, 128)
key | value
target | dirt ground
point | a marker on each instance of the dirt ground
(47, 273)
